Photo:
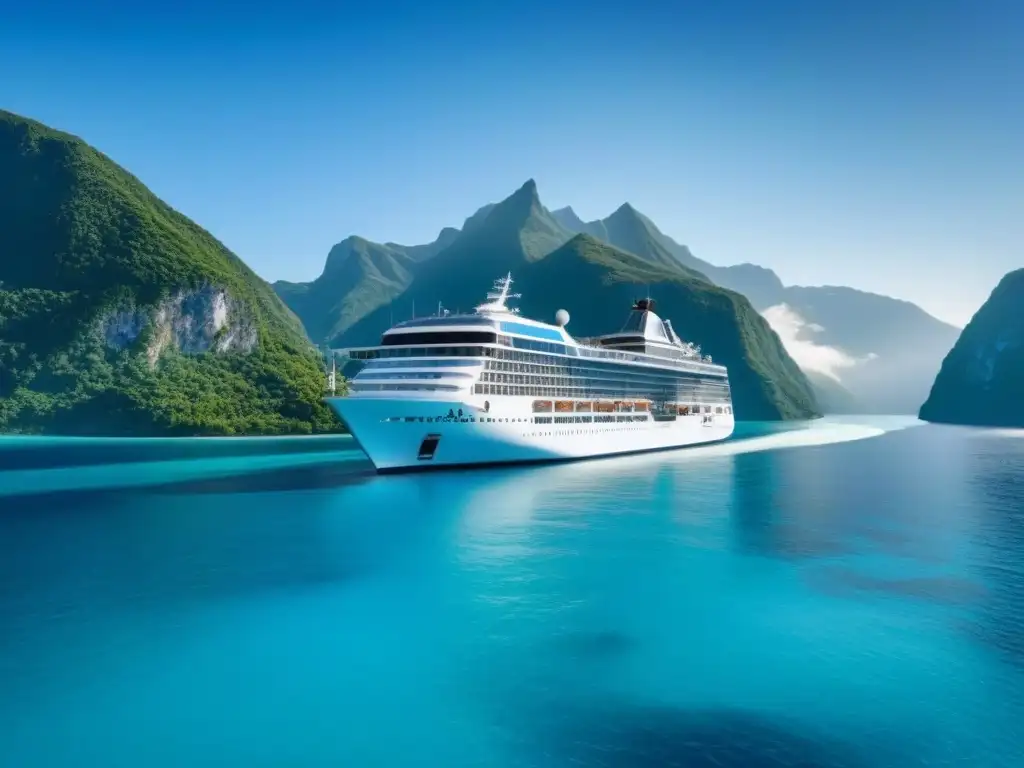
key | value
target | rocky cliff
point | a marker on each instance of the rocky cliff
(981, 381)
(118, 315)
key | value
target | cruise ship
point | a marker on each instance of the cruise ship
(493, 387)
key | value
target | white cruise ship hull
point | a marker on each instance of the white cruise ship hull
(404, 434)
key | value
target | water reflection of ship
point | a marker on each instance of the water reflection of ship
(505, 501)
(760, 477)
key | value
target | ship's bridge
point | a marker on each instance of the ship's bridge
(447, 330)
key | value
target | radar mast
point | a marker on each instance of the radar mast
(498, 296)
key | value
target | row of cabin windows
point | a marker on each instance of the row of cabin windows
(542, 391)
(592, 358)
(543, 352)
(681, 394)
(359, 386)
(401, 352)
(625, 353)
(666, 353)
(581, 368)
(575, 419)
(373, 365)
(365, 375)
(607, 383)
(586, 419)
(694, 410)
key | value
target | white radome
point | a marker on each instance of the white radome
(562, 318)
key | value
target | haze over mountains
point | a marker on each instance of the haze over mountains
(861, 351)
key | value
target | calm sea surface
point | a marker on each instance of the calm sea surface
(844, 593)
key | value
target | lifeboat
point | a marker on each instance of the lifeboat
(542, 406)
(584, 407)
(604, 407)
(563, 406)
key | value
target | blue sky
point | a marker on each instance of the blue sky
(871, 144)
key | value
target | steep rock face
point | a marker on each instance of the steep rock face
(191, 321)
(118, 315)
(981, 381)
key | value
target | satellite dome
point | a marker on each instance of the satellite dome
(562, 317)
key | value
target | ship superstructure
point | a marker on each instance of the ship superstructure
(492, 386)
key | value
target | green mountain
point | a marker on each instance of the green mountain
(981, 381)
(553, 269)
(497, 239)
(118, 315)
(893, 346)
(629, 230)
(359, 277)
(592, 279)
(883, 351)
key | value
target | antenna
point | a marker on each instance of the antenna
(414, 309)
(498, 295)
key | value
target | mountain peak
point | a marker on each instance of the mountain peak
(520, 221)
(586, 239)
(340, 253)
(446, 237)
(524, 201)
(527, 191)
(520, 205)
(624, 210)
(568, 218)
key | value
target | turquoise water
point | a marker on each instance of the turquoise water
(844, 593)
